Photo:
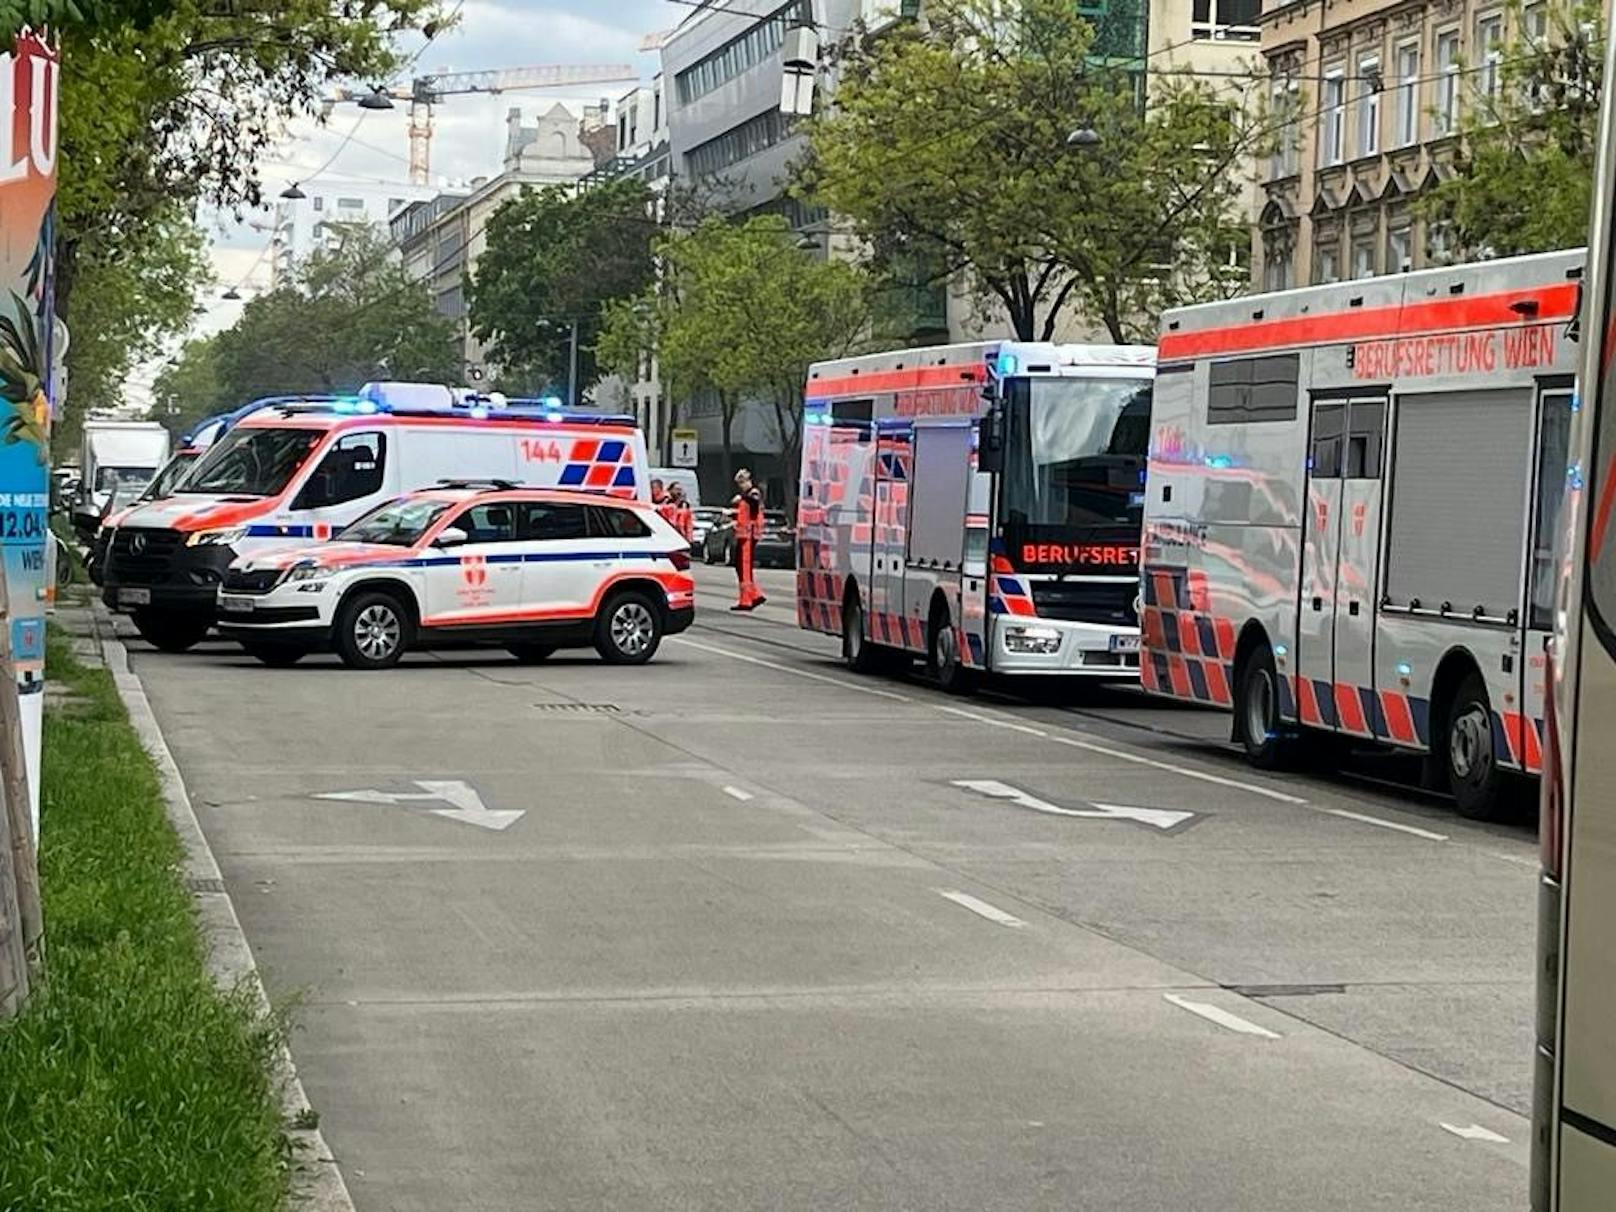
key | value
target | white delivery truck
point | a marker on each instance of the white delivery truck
(1352, 501)
(978, 506)
(118, 458)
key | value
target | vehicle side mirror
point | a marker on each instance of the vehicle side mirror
(451, 536)
(990, 438)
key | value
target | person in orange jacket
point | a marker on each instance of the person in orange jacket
(748, 509)
(678, 512)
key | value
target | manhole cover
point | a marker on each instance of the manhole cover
(205, 885)
(579, 708)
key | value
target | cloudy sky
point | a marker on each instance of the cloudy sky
(468, 132)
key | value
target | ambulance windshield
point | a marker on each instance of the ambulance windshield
(1075, 452)
(252, 462)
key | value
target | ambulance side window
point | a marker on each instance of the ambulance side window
(352, 468)
(1366, 423)
(1325, 460)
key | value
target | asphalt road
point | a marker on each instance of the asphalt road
(770, 935)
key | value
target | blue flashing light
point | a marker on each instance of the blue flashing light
(1007, 364)
(1404, 669)
(1280, 650)
(555, 416)
(366, 407)
(479, 413)
(551, 401)
(1218, 462)
(1574, 476)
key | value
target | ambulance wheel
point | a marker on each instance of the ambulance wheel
(171, 632)
(858, 653)
(1474, 775)
(943, 657)
(629, 630)
(373, 630)
(531, 654)
(1259, 728)
(276, 656)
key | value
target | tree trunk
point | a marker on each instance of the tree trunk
(788, 420)
(726, 418)
(64, 275)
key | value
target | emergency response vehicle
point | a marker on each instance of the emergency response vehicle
(978, 506)
(298, 472)
(470, 562)
(1353, 496)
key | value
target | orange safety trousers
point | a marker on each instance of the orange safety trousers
(751, 595)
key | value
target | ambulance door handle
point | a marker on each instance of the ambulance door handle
(1318, 603)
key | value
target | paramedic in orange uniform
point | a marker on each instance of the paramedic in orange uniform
(748, 508)
(678, 512)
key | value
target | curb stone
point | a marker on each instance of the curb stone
(316, 1179)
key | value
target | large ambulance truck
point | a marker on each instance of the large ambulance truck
(1353, 497)
(977, 506)
(1574, 1101)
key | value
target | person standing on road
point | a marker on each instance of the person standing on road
(748, 509)
(659, 495)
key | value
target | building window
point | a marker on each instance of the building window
(1399, 249)
(1285, 99)
(739, 142)
(743, 52)
(1228, 20)
(1333, 118)
(1277, 259)
(1363, 255)
(350, 204)
(1535, 23)
(1439, 244)
(1447, 82)
(1369, 85)
(319, 202)
(1326, 264)
(1408, 93)
(1489, 51)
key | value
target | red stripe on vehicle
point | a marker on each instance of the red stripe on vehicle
(1555, 302)
(1349, 709)
(1306, 702)
(1179, 675)
(913, 378)
(1399, 717)
(1225, 633)
(1216, 683)
(1189, 635)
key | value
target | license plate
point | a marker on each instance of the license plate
(134, 597)
(235, 605)
(1124, 643)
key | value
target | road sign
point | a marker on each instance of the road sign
(1158, 818)
(466, 806)
(684, 448)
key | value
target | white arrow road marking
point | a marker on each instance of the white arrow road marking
(1476, 1132)
(1160, 818)
(737, 794)
(979, 907)
(1221, 1017)
(466, 806)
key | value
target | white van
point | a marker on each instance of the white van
(297, 472)
(683, 476)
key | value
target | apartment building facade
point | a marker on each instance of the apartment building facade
(1368, 98)
(307, 224)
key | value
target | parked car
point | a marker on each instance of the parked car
(777, 548)
(703, 520)
(472, 562)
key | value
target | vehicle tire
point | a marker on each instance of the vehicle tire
(531, 654)
(1268, 745)
(1475, 778)
(943, 658)
(276, 656)
(373, 630)
(629, 630)
(171, 632)
(858, 654)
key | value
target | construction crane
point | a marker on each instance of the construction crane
(424, 92)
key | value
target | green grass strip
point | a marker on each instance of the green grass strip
(130, 1081)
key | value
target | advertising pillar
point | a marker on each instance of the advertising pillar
(29, 83)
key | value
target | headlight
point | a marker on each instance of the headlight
(1035, 640)
(223, 538)
(306, 572)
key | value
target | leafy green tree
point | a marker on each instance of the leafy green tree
(188, 389)
(1004, 151)
(1526, 156)
(349, 315)
(556, 256)
(742, 312)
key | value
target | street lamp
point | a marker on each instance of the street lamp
(376, 99)
(231, 295)
(1083, 136)
(293, 193)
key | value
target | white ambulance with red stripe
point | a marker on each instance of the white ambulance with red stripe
(300, 470)
(1352, 500)
(977, 506)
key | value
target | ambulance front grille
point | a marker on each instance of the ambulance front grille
(1102, 602)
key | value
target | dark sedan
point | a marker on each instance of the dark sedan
(777, 548)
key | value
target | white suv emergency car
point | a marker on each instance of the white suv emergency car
(471, 562)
